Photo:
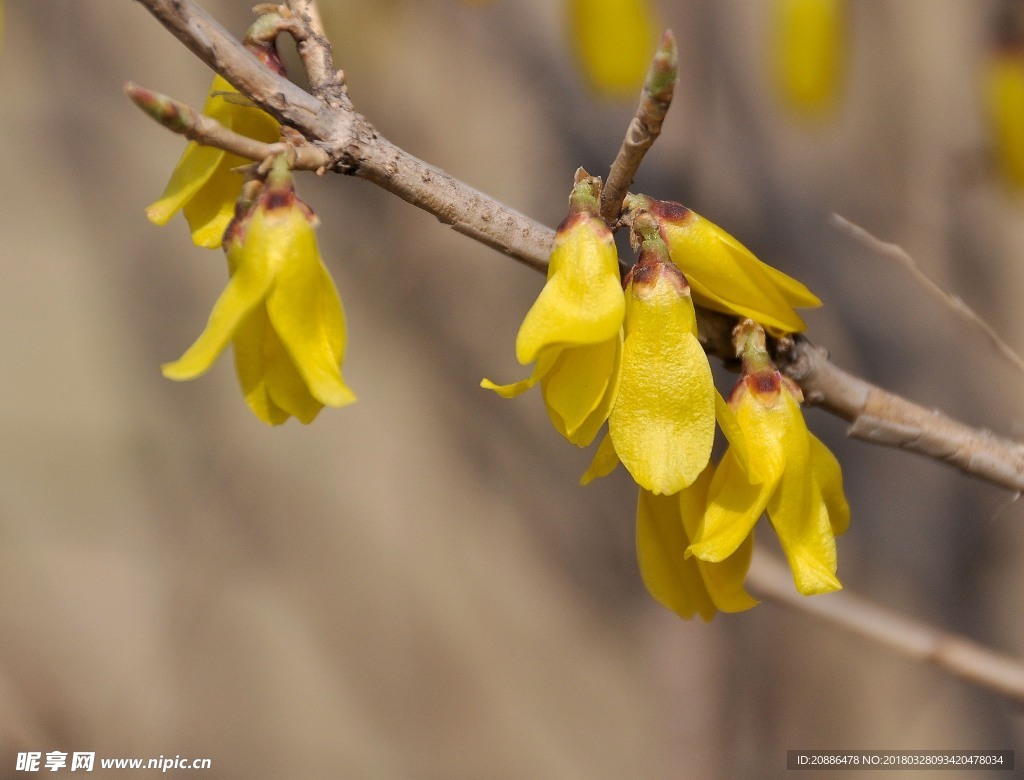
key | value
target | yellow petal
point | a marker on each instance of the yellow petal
(797, 510)
(580, 389)
(614, 41)
(286, 385)
(734, 435)
(193, 170)
(829, 477)
(582, 301)
(203, 183)
(604, 462)
(801, 522)
(245, 290)
(725, 276)
(250, 366)
(303, 304)
(211, 208)
(733, 508)
(545, 360)
(767, 426)
(724, 580)
(809, 52)
(673, 581)
(663, 421)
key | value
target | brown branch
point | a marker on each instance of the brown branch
(770, 579)
(325, 82)
(354, 147)
(644, 128)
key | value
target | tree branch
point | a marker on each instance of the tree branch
(771, 580)
(354, 147)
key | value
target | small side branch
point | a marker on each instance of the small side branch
(771, 580)
(644, 128)
(325, 82)
(183, 119)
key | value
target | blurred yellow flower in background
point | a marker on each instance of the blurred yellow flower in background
(1003, 89)
(809, 52)
(613, 41)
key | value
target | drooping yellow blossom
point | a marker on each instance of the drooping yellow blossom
(573, 331)
(613, 41)
(662, 425)
(280, 309)
(789, 473)
(809, 51)
(723, 274)
(684, 584)
(663, 422)
(203, 185)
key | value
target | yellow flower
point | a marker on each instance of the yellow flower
(723, 274)
(809, 52)
(662, 424)
(280, 309)
(788, 472)
(573, 332)
(203, 184)
(614, 41)
(684, 584)
(1004, 92)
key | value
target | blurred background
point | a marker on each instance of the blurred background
(415, 586)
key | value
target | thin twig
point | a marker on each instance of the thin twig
(325, 82)
(900, 255)
(644, 128)
(355, 148)
(770, 579)
(183, 119)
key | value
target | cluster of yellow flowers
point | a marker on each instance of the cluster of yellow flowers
(625, 352)
(631, 357)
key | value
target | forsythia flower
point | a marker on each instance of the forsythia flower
(789, 473)
(665, 525)
(574, 329)
(809, 52)
(614, 40)
(280, 309)
(723, 274)
(1004, 94)
(662, 425)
